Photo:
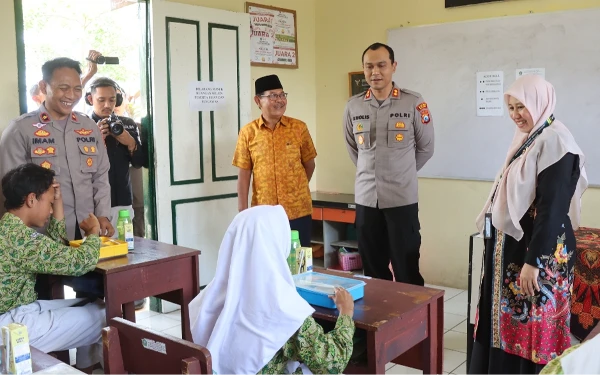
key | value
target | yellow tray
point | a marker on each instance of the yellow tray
(109, 247)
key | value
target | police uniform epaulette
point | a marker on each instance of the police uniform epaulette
(410, 92)
(82, 114)
(29, 114)
(361, 95)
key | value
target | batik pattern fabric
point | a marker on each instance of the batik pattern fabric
(322, 353)
(585, 307)
(24, 253)
(535, 328)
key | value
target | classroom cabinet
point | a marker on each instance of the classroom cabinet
(333, 227)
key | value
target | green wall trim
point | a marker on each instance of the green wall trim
(200, 180)
(212, 26)
(177, 202)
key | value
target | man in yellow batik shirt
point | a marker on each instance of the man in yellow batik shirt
(278, 152)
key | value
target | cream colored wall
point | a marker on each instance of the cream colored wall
(299, 83)
(9, 105)
(447, 207)
(336, 32)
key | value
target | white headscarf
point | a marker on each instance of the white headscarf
(517, 182)
(251, 308)
(583, 360)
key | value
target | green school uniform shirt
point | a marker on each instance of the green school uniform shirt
(24, 253)
(322, 353)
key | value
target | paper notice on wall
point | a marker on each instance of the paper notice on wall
(490, 93)
(537, 71)
(206, 96)
(272, 36)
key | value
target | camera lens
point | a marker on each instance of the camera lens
(100, 60)
(116, 128)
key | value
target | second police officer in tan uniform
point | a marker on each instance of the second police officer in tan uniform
(389, 136)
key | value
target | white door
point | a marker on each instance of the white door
(195, 181)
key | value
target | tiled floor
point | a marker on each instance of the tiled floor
(455, 336)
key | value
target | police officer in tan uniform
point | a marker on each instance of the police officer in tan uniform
(389, 136)
(68, 142)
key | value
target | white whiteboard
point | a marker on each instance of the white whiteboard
(441, 62)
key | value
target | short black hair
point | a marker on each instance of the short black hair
(24, 180)
(34, 90)
(61, 62)
(103, 82)
(375, 47)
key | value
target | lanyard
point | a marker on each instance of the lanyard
(531, 138)
(524, 147)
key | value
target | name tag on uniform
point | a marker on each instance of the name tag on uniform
(487, 226)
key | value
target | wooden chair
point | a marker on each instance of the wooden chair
(129, 347)
(595, 332)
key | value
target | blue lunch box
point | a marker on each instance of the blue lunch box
(316, 288)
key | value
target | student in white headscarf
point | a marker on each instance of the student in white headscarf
(528, 223)
(250, 316)
(578, 359)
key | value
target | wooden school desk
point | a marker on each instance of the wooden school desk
(153, 268)
(43, 363)
(402, 323)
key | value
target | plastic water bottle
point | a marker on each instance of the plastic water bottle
(125, 228)
(292, 258)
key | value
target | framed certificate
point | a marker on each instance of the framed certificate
(273, 36)
(357, 83)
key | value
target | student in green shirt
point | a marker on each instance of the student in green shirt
(32, 200)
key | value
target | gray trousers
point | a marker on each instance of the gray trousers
(55, 325)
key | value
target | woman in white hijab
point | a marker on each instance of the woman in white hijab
(528, 222)
(250, 316)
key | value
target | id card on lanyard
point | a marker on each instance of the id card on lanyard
(487, 227)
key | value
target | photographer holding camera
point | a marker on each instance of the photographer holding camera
(122, 142)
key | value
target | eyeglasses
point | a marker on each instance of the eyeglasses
(273, 97)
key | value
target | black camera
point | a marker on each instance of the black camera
(116, 125)
(106, 60)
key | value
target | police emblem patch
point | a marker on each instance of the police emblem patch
(41, 133)
(39, 151)
(84, 132)
(425, 117)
